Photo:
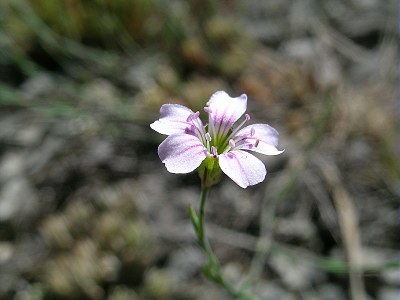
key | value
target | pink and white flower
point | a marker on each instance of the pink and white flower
(189, 142)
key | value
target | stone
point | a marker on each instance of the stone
(37, 85)
(272, 291)
(325, 292)
(185, 263)
(6, 251)
(295, 272)
(387, 293)
(101, 94)
(99, 151)
(29, 135)
(12, 164)
(18, 201)
(298, 228)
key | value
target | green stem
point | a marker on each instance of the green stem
(212, 270)
(200, 233)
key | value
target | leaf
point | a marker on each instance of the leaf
(194, 218)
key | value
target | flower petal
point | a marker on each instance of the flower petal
(173, 119)
(263, 140)
(225, 110)
(243, 168)
(182, 153)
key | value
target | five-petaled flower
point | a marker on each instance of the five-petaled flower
(190, 143)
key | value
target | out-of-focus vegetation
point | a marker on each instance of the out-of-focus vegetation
(189, 42)
(191, 34)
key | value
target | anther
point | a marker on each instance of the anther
(208, 137)
(247, 116)
(256, 143)
(208, 110)
(190, 118)
(193, 116)
(214, 151)
(232, 143)
(252, 131)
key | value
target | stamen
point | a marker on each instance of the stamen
(252, 131)
(193, 116)
(208, 110)
(208, 137)
(214, 151)
(247, 118)
(232, 143)
(195, 126)
(211, 128)
(256, 143)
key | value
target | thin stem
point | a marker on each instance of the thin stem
(200, 234)
(212, 270)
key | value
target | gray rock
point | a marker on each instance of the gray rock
(31, 292)
(6, 251)
(29, 135)
(331, 292)
(42, 155)
(101, 94)
(8, 282)
(328, 71)
(185, 263)
(303, 49)
(359, 152)
(11, 124)
(325, 292)
(139, 76)
(325, 65)
(295, 272)
(75, 127)
(37, 85)
(18, 201)
(391, 277)
(375, 258)
(389, 294)
(298, 228)
(99, 151)
(272, 291)
(12, 165)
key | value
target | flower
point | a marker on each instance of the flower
(191, 145)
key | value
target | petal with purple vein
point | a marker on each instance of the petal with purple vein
(243, 168)
(173, 119)
(264, 136)
(225, 110)
(182, 153)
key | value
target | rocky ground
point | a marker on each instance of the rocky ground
(87, 210)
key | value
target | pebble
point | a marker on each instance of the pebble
(389, 294)
(12, 164)
(272, 291)
(37, 85)
(18, 201)
(296, 273)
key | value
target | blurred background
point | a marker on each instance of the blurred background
(88, 211)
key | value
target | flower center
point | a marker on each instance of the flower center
(220, 141)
